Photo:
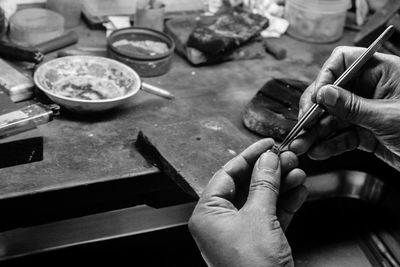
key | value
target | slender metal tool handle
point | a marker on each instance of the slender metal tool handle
(341, 81)
(157, 91)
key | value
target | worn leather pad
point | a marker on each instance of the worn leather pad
(273, 110)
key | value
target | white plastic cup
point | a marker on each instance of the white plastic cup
(152, 18)
(317, 21)
(69, 9)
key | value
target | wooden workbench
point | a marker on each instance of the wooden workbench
(90, 162)
(81, 150)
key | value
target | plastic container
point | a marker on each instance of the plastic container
(150, 14)
(318, 21)
(32, 26)
(69, 9)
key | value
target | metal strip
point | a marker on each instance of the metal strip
(89, 229)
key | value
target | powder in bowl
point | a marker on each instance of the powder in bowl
(86, 83)
(143, 47)
(87, 88)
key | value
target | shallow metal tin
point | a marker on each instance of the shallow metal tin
(145, 66)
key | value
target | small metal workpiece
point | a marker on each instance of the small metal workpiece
(275, 149)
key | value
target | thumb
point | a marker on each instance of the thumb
(348, 106)
(265, 183)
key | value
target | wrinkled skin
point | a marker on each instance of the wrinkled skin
(242, 214)
(365, 115)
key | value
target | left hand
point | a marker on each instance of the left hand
(239, 219)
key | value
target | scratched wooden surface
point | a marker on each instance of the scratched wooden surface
(81, 150)
(190, 152)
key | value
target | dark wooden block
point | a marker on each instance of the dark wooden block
(190, 152)
(228, 31)
(274, 109)
(21, 148)
(180, 29)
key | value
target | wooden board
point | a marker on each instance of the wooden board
(190, 152)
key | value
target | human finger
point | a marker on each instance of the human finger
(340, 58)
(346, 141)
(307, 99)
(290, 176)
(265, 183)
(289, 161)
(321, 130)
(367, 113)
(289, 203)
(294, 178)
(223, 183)
(388, 156)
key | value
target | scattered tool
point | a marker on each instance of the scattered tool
(35, 54)
(62, 41)
(341, 81)
(26, 118)
(84, 51)
(157, 91)
(16, 52)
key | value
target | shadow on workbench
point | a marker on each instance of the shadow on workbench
(331, 232)
(154, 190)
(172, 247)
(325, 232)
(345, 232)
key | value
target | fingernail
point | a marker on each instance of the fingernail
(268, 160)
(226, 164)
(329, 96)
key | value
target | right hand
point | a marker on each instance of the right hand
(366, 116)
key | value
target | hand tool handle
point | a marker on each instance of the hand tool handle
(156, 91)
(78, 52)
(16, 52)
(64, 40)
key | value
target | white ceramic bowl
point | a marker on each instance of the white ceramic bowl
(87, 83)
